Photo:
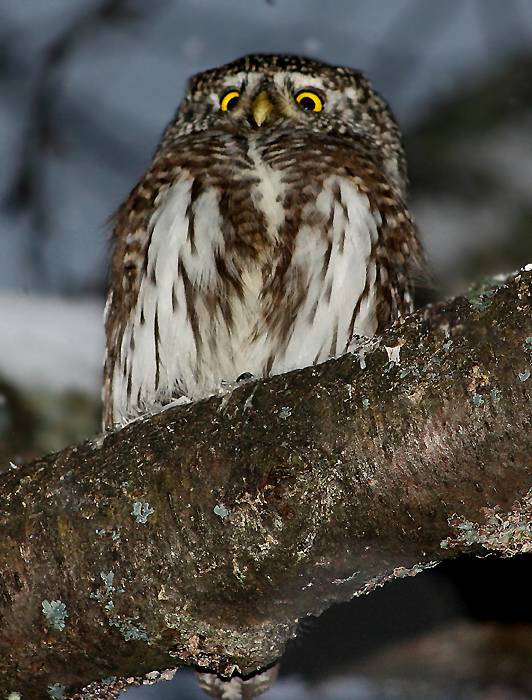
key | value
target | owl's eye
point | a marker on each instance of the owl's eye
(309, 101)
(229, 100)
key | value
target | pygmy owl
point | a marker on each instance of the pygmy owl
(270, 229)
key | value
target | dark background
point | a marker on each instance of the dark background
(86, 88)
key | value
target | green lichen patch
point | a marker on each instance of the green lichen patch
(101, 532)
(104, 595)
(480, 299)
(412, 371)
(477, 400)
(495, 395)
(524, 376)
(55, 613)
(220, 510)
(505, 533)
(56, 691)
(142, 511)
(130, 628)
(108, 579)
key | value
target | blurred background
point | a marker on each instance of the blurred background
(86, 87)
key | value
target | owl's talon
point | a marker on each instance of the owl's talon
(245, 377)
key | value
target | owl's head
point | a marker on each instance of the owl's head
(270, 92)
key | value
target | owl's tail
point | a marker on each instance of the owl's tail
(238, 687)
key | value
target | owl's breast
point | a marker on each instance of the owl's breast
(259, 268)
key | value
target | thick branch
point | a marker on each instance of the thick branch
(203, 534)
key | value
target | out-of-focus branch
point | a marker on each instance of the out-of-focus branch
(201, 535)
(42, 135)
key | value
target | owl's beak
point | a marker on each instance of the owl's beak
(261, 108)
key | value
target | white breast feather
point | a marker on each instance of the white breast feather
(350, 258)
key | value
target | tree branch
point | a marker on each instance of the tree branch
(201, 535)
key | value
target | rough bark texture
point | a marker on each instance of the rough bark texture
(201, 535)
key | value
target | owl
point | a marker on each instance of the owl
(269, 230)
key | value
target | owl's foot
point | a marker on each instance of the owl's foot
(245, 377)
(238, 687)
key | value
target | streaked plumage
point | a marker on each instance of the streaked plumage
(257, 249)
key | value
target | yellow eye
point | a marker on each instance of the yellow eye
(229, 100)
(309, 101)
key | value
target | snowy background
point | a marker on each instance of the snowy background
(86, 87)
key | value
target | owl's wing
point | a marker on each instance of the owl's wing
(130, 244)
(396, 253)
(150, 228)
(348, 274)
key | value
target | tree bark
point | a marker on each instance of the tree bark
(201, 535)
